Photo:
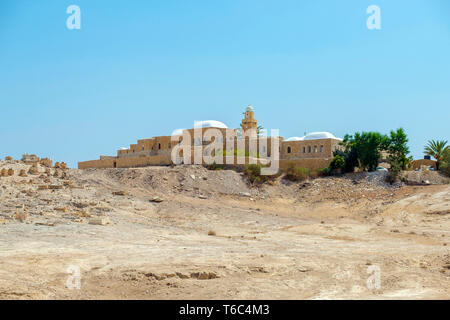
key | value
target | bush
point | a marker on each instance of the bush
(350, 158)
(294, 173)
(445, 163)
(395, 171)
(337, 163)
(215, 166)
(253, 174)
(327, 171)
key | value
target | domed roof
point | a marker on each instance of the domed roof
(210, 124)
(177, 132)
(295, 139)
(320, 135)
(249, 109)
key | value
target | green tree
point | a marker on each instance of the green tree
(350, 158)
(436, 149)
(337, 163)
(367, 146)
(397, 148)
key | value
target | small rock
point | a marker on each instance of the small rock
(156, 199)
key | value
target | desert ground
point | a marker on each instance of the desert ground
(190, 233)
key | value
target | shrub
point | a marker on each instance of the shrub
(337, 163)
(350, 158)
(294, 173)
(327, 171)
(215, 166)
(253, 174)
(395, 171)
(445, 163)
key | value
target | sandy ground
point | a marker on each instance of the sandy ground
(214, 237)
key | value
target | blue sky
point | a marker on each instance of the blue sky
(138, 69)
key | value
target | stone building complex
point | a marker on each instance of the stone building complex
(223, 145)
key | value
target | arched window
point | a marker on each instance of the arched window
(142, 148)
(321, 148)
(304, 150)
(309, 149)
(288, 149)
(159, 146)
(315, 148)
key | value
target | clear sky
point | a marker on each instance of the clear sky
(138, 69)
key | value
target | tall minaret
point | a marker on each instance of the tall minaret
(249, 122)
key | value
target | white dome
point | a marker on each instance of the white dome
(320, 135)
(210, 124)
(178, 132)
(295, 139)
(249, 109)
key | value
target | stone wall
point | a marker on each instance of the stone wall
(310, 154)
(306, 149)
(310, 163)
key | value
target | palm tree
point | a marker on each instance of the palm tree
(259, 130)
(436, 149)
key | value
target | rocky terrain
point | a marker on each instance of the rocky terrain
(190, 233)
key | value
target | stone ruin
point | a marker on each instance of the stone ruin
(30, 159)
(60, 165)
(33, 169)
(6, 172)
(22, 173)
(46, 162)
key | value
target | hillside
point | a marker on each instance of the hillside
(187, 232)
